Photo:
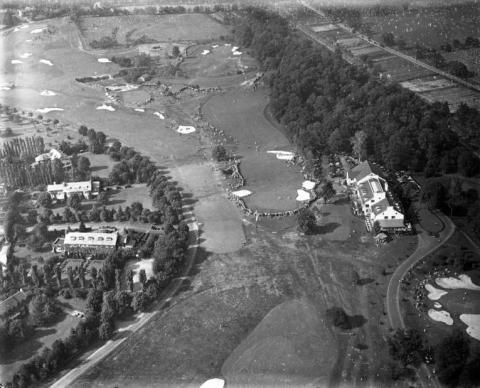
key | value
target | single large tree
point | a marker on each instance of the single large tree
(358, 144)
(306, 221)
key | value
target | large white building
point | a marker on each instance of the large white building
(90, 242)
(52, 155)
(65, 190)
(375, 200)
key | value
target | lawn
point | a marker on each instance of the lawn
(44, 336)
(240, 114)
(454, 258)
(163, 28)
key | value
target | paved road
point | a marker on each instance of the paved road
(426, 245)
(143, 318)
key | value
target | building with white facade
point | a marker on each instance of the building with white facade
(61, 191)
(374, 199)
(90, 242)
(52, 155)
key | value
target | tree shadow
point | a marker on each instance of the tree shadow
(327, 228)
(339, 318)
(364, 281)
(98, 168)
(115, 202)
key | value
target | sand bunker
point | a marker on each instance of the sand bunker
(119, 88)
(441, 316)
(283, 155)
(139, 110)
(437, 305)
(215, 46)
(227, 44)
(302, 195)
(185, 129)
(106, 107)
(46, 110)
(463, 281)
(104, 60)
(25, 55)
(242, 193)
(213, 383)
(205, 52)
(5, 88)
(16, 62)
(473, 323)
(434, 293)
(46, 62)
(159, 115)
(47, 93)
(22, 27)
(237, 53)
(38, 30)
(235, 48)
(308, 185)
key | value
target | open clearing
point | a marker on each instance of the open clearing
(163, 28)
(273, 182)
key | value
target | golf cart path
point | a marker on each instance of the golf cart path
(426, 245)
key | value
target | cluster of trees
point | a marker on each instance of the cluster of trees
(22, 148)
(455, 360)
(470, 42)
(133, 168)
(96, 140)
(323, 101)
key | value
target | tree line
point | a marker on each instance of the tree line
(323, 102)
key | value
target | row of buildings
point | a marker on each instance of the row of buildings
(373, 199)
(62, 191)
(87, 242)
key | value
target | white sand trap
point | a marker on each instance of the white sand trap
(308, 185)
(159, 115)
(47, 93)
(235, 48)
(104, 60)
(237, 53)
(139, 110)
(185, 129)
(205, 52)
(437, 305)
(473, 323)
(25, 55)
(441, 316)
(242, 193)
(46, 110)
(227, 44)
(434, 293)
(302, 195)
(119, 88)
(106, 107)
(38, 30)
(5, 88)
(22, 27)
(283, 155)
(46, 62)
(215, 46)
(463, 281)
(16, 62)
(29, 40)
(213, 383)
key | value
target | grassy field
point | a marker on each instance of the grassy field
(268, 302)
(240, 114)
(457, 256)
(431, 27)
(44, 336)
(163, 28)
(218, 62)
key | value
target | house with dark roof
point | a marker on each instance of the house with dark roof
(13, 304)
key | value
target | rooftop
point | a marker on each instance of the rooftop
(363, 169)
(380, 206)
(71, 186)
(91, 238)
(391, 223)
(12, 301)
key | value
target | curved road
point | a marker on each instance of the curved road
(165, 298)
(426, 245)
